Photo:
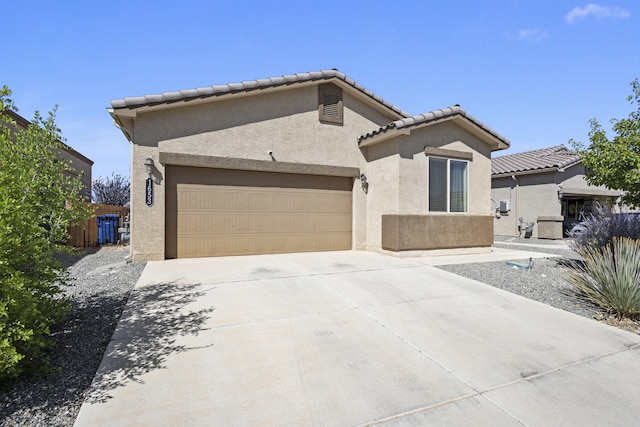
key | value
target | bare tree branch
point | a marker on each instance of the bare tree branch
(114, 191)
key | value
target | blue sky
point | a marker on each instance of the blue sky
(535, 71)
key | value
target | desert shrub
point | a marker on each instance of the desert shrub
(610, 276)
(39, 200)
(603, 226)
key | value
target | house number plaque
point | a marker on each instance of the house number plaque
(149, 192)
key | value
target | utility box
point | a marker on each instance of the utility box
(108, 228)
(504, 206)
(550, 227)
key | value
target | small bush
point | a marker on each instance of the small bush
(604, 226)
(610, 276)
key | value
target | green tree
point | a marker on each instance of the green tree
(615, 163)
(38, 202)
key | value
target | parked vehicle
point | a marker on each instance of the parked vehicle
(578, 229)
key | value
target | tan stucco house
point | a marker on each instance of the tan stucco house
(81, 165)
(303, 162)
(547, 189)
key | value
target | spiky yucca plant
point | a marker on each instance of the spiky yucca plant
(610, 276)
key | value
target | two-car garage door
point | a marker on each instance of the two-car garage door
(215, 212)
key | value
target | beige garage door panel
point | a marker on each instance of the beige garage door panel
(270, 217)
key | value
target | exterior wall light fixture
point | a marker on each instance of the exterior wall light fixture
(363, 179)
(148, 164)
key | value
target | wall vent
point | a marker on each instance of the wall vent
(330, 106)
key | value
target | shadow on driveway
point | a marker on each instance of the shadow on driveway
(146, 335)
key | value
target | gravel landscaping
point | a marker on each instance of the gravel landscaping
(104, 280)
(544, 282)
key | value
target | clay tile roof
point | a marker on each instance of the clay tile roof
(556, 157)
(433, 116)
(247, 86)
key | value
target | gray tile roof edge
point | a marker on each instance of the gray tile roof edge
(247, 86)
(433, 116)
(558, 156)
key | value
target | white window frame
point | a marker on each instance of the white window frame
(448, 189)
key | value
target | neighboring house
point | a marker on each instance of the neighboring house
(546, 188)
(304, 162)
(81, 164)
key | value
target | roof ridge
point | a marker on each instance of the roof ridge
(432, 116)
(557, 156)
(186, 95)
(557, 149)
(543, 151)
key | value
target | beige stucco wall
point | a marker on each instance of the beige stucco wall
(535, 195)
(82, 167)
(248, 126)
(503, 188)
(414, 166)
(531, 196)
(383, 195)
(432, 232)
(574, 178)
(398, 174)
(284, 122)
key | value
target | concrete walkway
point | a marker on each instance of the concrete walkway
(351, 339)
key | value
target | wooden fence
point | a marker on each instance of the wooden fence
(87, 235)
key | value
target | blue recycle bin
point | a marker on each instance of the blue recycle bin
(108, 228)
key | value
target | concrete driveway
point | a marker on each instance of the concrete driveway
(350, 339)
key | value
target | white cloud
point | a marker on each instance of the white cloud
(529, 35)
(532, 35)
(597, 11)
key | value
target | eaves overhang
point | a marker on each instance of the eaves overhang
(124, 111)
(384, 134)
(534, 171)
(249, 87)
(572, 191)
(406, 125)
(526, 172)
(123, 122)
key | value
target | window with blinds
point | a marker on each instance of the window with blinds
(448, 185)
(437, 185)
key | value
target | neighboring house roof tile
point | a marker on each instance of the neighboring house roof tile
(247, 86)
(433, 116)
(557, 157)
